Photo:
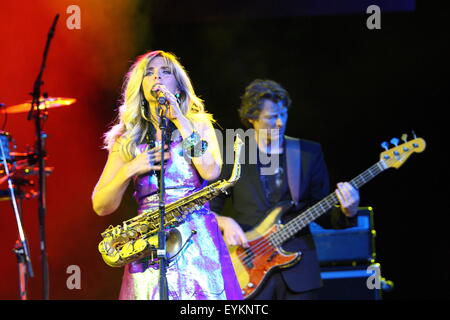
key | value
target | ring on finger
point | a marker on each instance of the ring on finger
(150, 160)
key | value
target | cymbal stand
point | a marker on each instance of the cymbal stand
(21, 248)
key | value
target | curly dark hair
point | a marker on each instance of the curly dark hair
(255, 93)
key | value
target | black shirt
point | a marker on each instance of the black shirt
(275, 186)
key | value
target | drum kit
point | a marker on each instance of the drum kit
(17, 170)
(23, 165)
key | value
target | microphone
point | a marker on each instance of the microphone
(159, 95)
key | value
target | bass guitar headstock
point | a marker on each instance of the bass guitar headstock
(396, 156)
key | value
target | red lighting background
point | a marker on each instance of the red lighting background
(85, 64)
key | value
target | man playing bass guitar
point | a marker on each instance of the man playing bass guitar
(299, 177)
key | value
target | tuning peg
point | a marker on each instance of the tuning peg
(414, 134)
(404, 137)
(385, 145)
(395, 141)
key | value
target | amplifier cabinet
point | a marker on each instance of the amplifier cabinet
(349, 246)
(352, 283)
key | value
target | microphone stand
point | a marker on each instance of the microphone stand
(21, 248)
(161, 251)
(36, 94)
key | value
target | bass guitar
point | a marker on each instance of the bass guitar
(264, 254)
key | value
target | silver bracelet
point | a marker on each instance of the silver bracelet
(193, 146)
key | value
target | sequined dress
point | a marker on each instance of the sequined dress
(203, 269)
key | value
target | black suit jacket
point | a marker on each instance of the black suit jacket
(249, 207)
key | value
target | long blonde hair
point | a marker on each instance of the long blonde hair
(131, 127)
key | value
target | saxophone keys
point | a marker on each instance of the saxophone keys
(116, 231)
(105, 246)
(119, 239)
(127, 250)
(143, 228)
(132, 233)
(140, 245)
(153, 241)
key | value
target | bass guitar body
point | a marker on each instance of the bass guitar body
(263, 256)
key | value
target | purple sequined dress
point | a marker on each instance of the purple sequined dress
(203, 269)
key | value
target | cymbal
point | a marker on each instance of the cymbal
(44, 103)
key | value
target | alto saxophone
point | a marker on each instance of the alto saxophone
(137, 238)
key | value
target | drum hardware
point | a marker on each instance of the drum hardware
(21, 166)
(5, 194)
(5, 140)
(29, 157)
(21, 248)
(19, 183)
(26, 170)
(16, 170)
(26, 164)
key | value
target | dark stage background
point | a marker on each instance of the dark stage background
(352, 88)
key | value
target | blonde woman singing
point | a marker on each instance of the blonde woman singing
(203, 269)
